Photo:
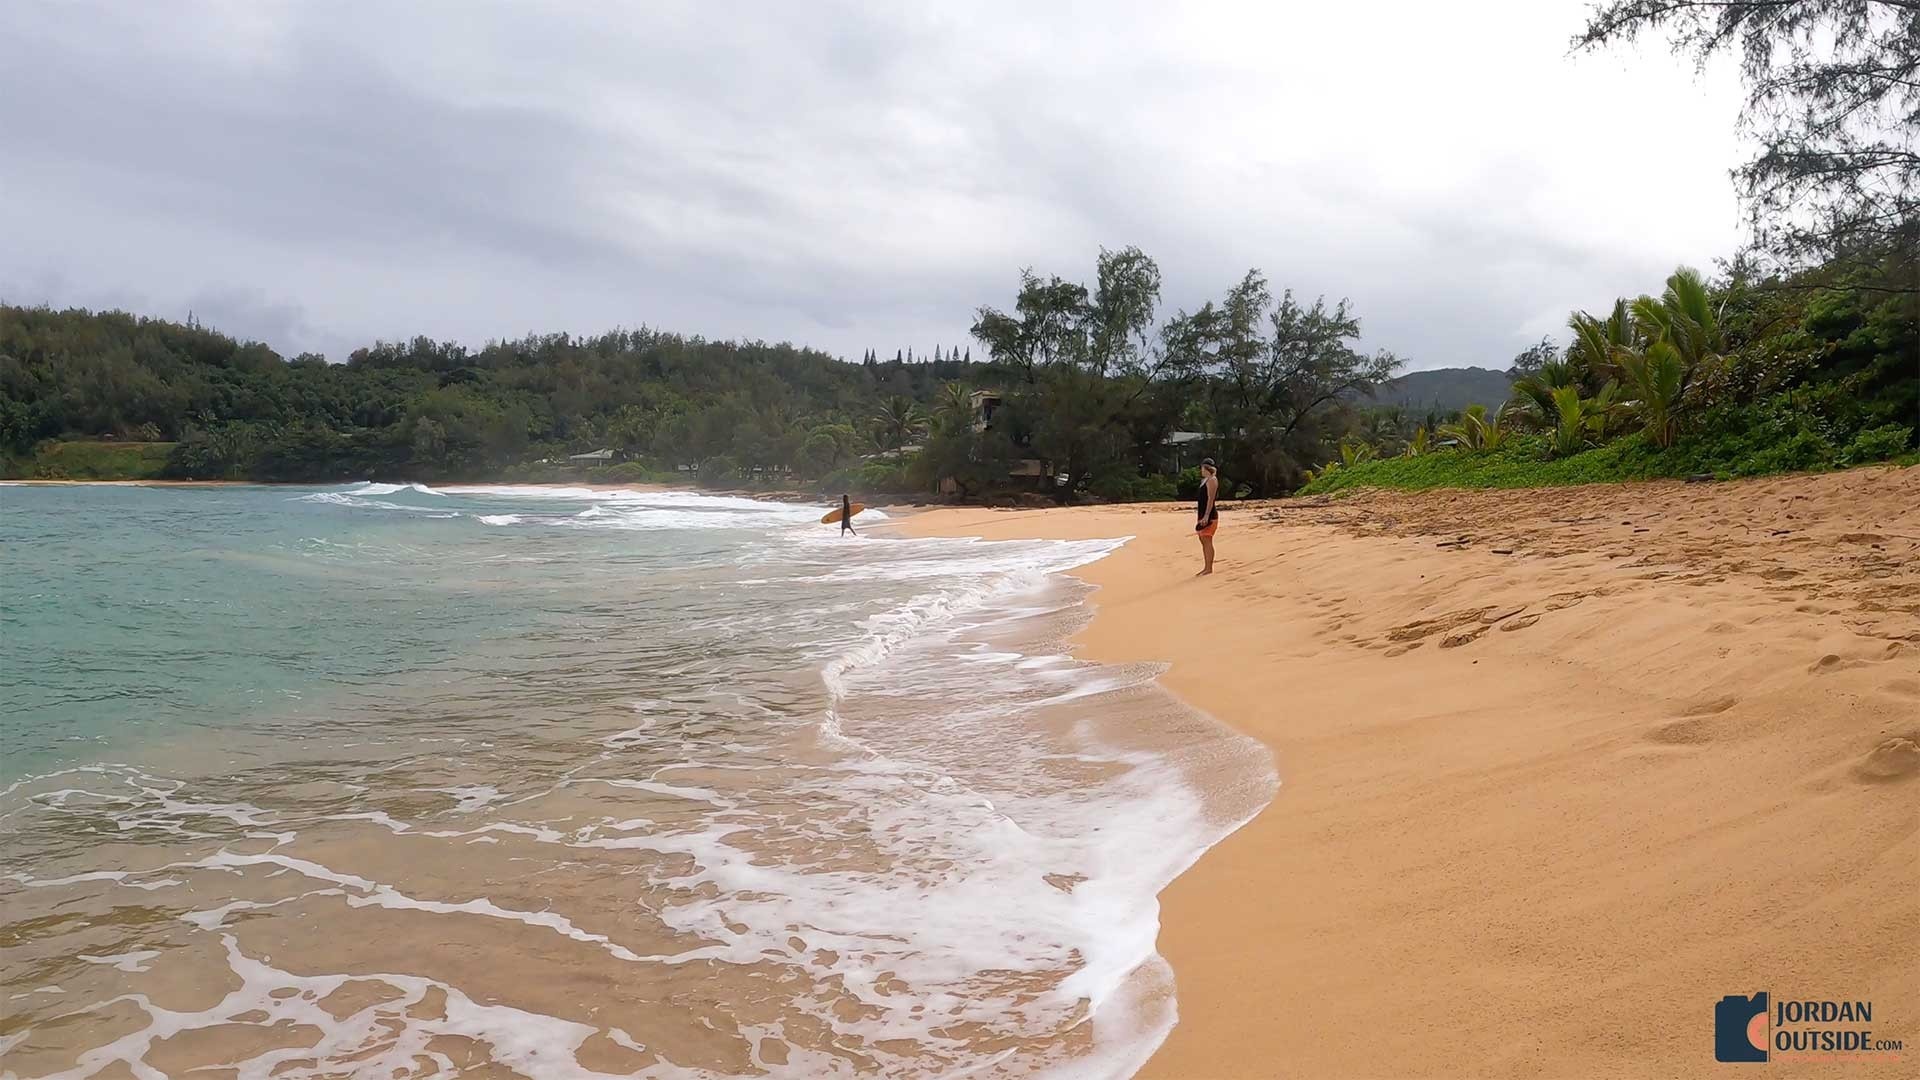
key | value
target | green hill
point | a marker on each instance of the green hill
(78, 388)
(1446, 390)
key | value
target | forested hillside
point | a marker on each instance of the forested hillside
(1090, 381)
(1732, 374)
(429, 410)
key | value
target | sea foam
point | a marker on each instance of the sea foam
(736, 751)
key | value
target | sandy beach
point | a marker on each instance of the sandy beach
(1559, 768)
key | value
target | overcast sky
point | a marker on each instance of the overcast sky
(319, 175)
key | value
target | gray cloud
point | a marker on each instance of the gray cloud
(847, 176)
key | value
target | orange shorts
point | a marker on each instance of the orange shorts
(1212, 527)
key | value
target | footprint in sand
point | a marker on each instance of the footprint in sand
(1558, 601)
(1692, 731)
(1697, 724)
(1414, 631)
(1836, 662)
(1821, 785)
(1464, 637)
(1897, 758)
(1710, 706)
(1507, 619)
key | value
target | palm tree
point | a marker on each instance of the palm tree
(1596, 341)
(1605, 411)
(1417, 445)
(1684, 315)
(1657, 377)
(1386, 428)
(1580, 422)
(953, 407)
(1680, 338)
(1475, 431)
(1533, 403)
(898, 422)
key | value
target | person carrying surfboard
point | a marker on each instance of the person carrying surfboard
(844, 515)
(1208, 512)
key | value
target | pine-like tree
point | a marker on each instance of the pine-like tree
(1833, 106)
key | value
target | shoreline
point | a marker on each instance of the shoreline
(1559, 769)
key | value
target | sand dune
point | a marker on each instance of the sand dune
(1559, 768)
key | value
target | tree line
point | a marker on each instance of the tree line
(1091, 384)
(1724, 376)
(1091, 381)
(436, 410)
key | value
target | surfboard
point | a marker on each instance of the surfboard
(833, 515)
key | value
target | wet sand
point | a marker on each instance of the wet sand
(1559, 768)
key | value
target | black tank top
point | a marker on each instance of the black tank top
(1200, 507)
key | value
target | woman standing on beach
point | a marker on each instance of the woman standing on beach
(1209, 512)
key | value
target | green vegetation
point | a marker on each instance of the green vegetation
(1749, 441)
(1085, 383)
(1729, 377)
(1722, 379)
(1094, 385)
(81, 459)
(426, 410)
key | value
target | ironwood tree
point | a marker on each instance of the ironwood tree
(1833, 99)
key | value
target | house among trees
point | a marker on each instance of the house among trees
(1186, 448)
(985, 404)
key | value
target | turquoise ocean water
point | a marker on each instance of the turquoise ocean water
(390, 779)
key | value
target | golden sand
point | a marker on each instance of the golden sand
(1559, 768)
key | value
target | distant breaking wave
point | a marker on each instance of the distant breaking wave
(371, 488)
(508, 505)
